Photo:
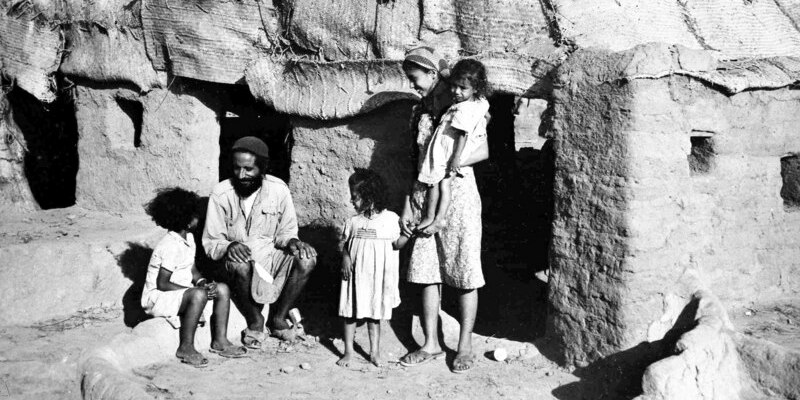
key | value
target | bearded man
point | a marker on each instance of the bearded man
(251, 225)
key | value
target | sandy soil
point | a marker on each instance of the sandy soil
(776, 322)
(40, 362)
(274, 372)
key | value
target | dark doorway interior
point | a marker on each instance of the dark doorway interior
(516, 193)
(51, 137)
(244, 117)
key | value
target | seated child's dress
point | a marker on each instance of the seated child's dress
(467, 116)
(372, 290)
(175, 254)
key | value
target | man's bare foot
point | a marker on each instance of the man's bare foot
(276, 323)
(376, 360)
(345, 360)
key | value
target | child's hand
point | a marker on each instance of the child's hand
(454, 167)
(211, 290)
(407, 227)
(347, 268)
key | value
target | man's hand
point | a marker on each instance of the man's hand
(301, 249)
(238, 252)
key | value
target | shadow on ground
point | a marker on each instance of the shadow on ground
(619, 376)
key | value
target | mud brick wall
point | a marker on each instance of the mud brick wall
(664, 186)
(325, 153)
(718, 215)
(131, 145)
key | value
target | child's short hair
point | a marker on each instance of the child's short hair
(475, 72)
(173, 208)
(370, 186)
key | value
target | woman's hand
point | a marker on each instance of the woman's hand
(433, 228)
(406, 227)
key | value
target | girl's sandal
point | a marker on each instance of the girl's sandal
(195, 360)
(253, 339)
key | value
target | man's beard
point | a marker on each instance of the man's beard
(246, 190)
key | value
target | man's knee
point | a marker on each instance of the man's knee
(237, 269)
(305, 265)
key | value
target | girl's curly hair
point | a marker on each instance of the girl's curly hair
(370, 187)
(473, 71)
(173, 208)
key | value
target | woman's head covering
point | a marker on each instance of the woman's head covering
(426, 57)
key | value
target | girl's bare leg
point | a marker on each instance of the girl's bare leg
(349, 335)
(219, 319)
(374, 328)
(194, 300)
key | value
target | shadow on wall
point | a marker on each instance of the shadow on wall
(619, 375)
(133, 262)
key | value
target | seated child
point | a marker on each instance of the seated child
(174, 287)
(460, 132)
(370, 263)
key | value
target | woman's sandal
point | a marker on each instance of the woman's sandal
(253, 339)
(422, 357)
(230, 351)
(463, 363)
(196, 360)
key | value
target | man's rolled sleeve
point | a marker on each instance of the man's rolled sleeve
(215, 239)
(287, 226)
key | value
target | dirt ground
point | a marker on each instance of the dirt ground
(40, 362)
(777, 322)
(274, 372)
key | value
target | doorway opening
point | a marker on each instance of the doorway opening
(241, 117)
(51, 138)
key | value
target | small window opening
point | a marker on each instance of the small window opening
(135, 112)
(701, 159)
(790, 173)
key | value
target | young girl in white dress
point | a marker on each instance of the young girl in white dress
(370, 263)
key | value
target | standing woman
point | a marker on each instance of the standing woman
(449, 254)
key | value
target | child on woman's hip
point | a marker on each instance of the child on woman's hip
(461, 130)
